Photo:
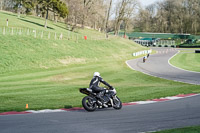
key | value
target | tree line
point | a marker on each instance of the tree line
(166, 16)
(37, 7)
(170, 16)
(102, 15)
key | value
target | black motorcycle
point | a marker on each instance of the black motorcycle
(92, 102)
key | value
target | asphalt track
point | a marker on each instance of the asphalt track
(158, 65)
(130, 119)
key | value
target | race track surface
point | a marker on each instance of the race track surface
(130, 119)
(158, 65)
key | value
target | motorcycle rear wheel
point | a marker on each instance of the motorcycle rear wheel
(88, 104)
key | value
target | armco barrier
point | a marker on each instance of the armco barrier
(142, 52)
(188, 46)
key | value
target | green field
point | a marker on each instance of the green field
(188, 60)
(195, 129)
(46, 73)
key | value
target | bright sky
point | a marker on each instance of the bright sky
(147, 2)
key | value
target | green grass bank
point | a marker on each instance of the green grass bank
(47, 72)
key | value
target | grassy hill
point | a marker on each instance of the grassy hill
(45, 72)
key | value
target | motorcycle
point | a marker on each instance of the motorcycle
(91, 102)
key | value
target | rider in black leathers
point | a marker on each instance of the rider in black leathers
(94, 85)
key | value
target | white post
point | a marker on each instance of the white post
(12, 32)
(7, 23)
(28, 32)
(68, 35)
(49, 35)
(20, 32)
(55, 36)
(4, 31)
(61, 36)
(42, 34)
(35, 34)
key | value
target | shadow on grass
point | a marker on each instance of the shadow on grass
(66, 28)
(8, 14)
(61, 27)
(35, 23)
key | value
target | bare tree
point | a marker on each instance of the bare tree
(180, 16)
(129, 14)
(123, 11)
(107, 18)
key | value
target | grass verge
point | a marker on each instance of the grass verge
(188, 60)
(195, 129)
(47, 73)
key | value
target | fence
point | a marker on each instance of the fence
(166, 42)
(160, 35)
(142, 52)
(47, 34)
(156, 43)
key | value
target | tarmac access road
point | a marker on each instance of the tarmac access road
(130, 119)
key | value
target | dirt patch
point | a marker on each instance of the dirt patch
(72, 60)
(45, 67)
(67, 77)
(59, 78)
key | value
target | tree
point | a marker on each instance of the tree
(27, 5)
(171, 16)
(75, 10)
(87, 4)
(1, 2)
(129, 13)
(86, 13)
(107, 18)
(55, 6)
(124, 11)
(60, 10)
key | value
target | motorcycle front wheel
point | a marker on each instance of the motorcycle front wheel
(117, 103)
(89, 104)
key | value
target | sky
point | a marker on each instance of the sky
(147, 2)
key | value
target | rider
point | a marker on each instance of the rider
(94, 85)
